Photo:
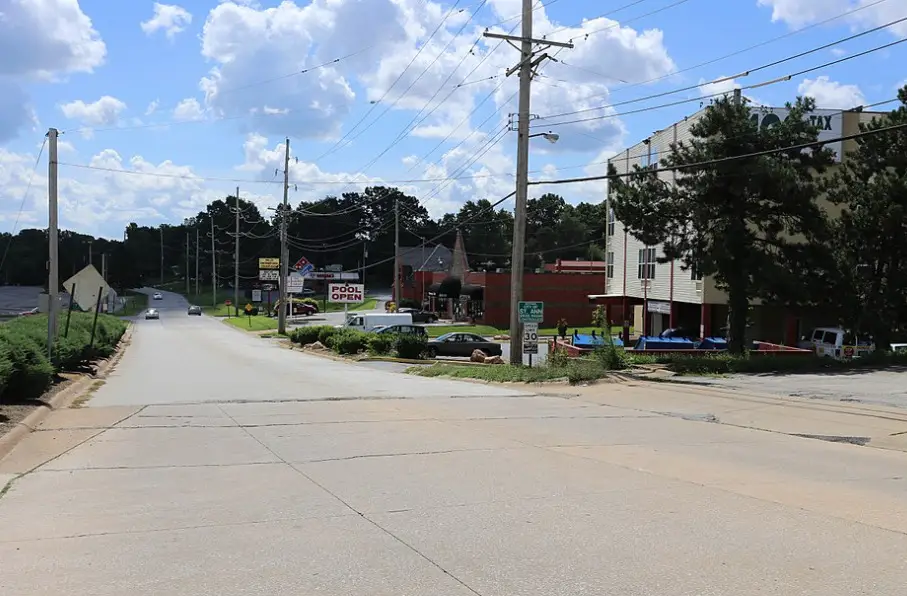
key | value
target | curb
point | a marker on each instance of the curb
(63, 399)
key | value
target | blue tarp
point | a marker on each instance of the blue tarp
(664, 343)
(588, 342)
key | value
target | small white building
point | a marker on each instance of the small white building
(653, 296)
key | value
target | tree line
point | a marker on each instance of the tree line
(786, 227)
(353, 229)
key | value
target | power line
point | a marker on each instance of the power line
(753, 70)
(31, 179)
(586, 35)
(722, 93)
(743, 50)
(709, 162)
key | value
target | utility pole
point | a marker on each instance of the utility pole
(196, 258)
(397, 251)
(284, 250)
(236, 260)
(188, 248)
(90, 255)
(213, 268)
(162, 254)
(53, 263)
(104, 266)
(529, 62)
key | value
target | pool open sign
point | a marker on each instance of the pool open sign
(346, 293)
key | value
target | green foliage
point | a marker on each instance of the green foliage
(410, 346)
(311, 301)
(870, 237)
(380, 344)
(25, 371)
(736, 220)
(600, 318)
(558, 359)
(610, 357)
(326, 335)
(349, 342)
(309, 335)
(752, 363)
(409, 303)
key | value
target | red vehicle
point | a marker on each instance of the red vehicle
(300, 309)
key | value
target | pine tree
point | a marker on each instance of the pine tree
(871, 233)
(752, 223)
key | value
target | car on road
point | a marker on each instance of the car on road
(158, 296)
(152, 313)
(401, 330)
(420, 316)
(195, 310)
(462, 345)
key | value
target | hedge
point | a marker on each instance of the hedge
(26, 372)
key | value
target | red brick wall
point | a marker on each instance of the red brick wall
(564, 295)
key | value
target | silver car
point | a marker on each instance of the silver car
(158, 296)
(195, 310)
(152, 313)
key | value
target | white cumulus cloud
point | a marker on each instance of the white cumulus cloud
(169, 18)
(41, 41)
(868, 13)
(831, 94)
(187, 110)
(103, 112)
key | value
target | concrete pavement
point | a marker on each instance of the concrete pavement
(291, 475)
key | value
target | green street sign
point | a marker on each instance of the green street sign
(532, 312)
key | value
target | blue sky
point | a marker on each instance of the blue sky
(198, 93)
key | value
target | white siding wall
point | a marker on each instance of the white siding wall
(685, 289)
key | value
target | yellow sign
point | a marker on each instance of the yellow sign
(269, 263)
(249, 308)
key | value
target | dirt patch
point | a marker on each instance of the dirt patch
(13, 412)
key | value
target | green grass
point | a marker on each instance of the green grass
(136, 302)
(258, 323)
(369, 304)
(575, 371)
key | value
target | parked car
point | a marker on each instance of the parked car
(299, 309)
(420, 316)
(372, 321)
(158, 296)
(308, 292)
(462, 345)
(152, 313)
(195, 310)
(402, 330)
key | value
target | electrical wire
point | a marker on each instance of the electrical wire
(723, 93)
(753, 70)
(31, 179)
(586, 34)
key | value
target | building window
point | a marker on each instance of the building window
(611, 222)
(695, 273)
(609, 270)
(646, 263)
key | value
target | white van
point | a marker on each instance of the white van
(368, 321)
(835, 342)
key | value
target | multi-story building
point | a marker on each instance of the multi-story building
(653, 296)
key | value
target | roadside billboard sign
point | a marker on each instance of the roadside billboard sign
(346, 293)
(268, 275)
(269, 263)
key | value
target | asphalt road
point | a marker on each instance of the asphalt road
(213, 462)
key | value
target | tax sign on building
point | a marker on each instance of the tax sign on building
(346, 293)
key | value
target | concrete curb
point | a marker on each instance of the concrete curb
(64, 398)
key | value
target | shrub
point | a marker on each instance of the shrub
(409, 303)
(558, 359)
(410, 346)
(326, 335)
(349, 342)
(311, 301)
(380, 344)
(611, 357)
(30, 371)
(309, 335)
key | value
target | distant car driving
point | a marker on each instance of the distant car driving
(158, 296)
(195, 310)
(401, 330)
(462, 345)
(152, 313)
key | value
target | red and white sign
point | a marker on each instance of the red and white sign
(346, 293)
(301, 263)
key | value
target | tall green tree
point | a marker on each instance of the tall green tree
(752, 223)
(871, 232)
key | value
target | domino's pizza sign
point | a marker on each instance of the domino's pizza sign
(829, 122)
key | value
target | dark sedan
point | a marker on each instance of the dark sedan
(462, 345)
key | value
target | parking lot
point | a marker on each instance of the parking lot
(882, 387)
